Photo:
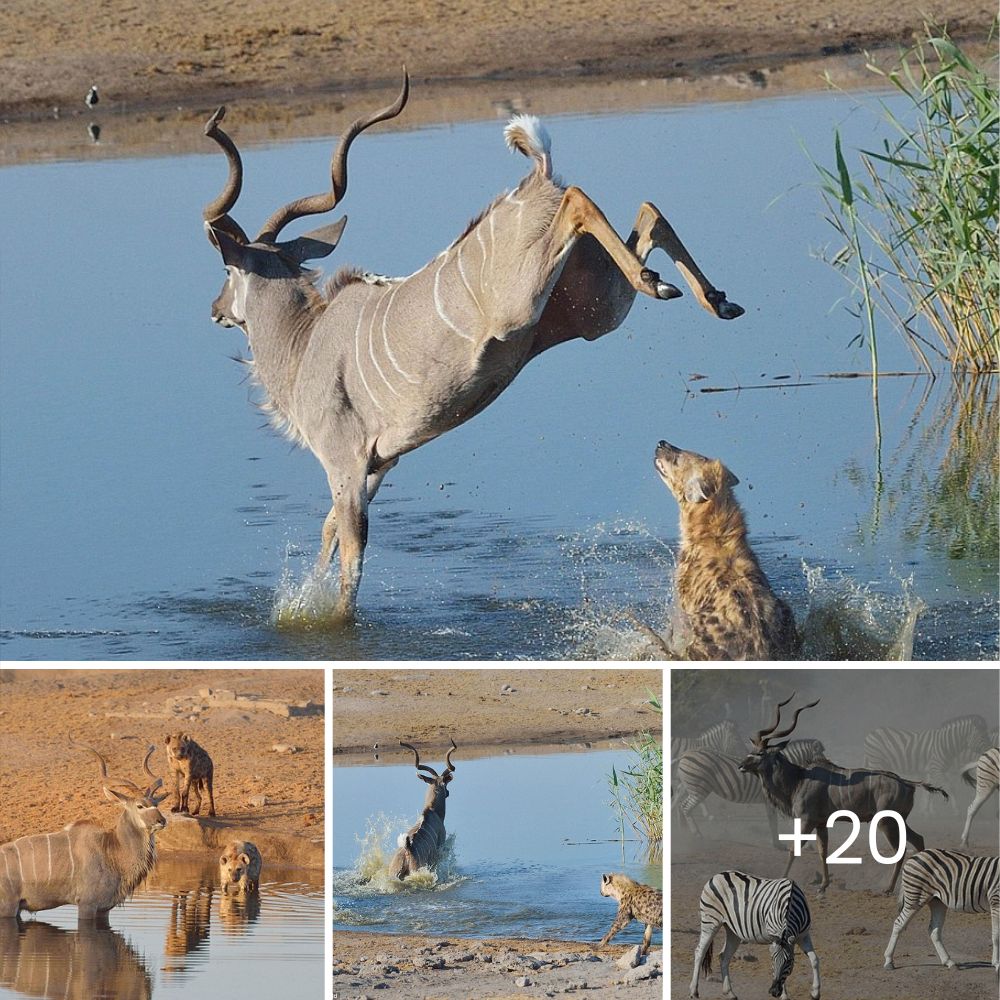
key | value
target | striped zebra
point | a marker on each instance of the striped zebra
(948, 880)
(771, 911)
(933, 754)
(723, 737)
(984, 777)
(705, 772)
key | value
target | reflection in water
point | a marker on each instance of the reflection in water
(237, 911)
(190, 918)
(39, 960)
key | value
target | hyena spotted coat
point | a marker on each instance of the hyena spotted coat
(193, 772)
(239, 867)
(730, 611)
(635, 902)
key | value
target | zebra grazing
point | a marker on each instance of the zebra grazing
(771, 911)
(947, 880)
(723, 737)
(705, 772)
(933, 754)
(985, 781)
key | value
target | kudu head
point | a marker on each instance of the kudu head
(438, 790)
(251, 263)
(690, 477)
(141, 806)
(764, 753)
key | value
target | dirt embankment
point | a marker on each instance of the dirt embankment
(45, 783)
(52, 51)
(487, 709)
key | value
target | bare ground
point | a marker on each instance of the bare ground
(45, 783)
(546, 707)
(850, 925)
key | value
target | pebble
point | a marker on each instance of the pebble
(630, 959)
(522, 981)
(384, 694)
(258, 800)
(507, 689)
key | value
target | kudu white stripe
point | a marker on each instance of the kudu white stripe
(551, 270)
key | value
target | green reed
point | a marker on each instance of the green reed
(637, 792)
(919, 224)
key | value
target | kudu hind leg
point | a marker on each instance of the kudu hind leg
(577, 214)
(654, 231)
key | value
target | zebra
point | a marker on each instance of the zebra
(985, 782)
(948, 880)
(932, 754)
(771, 911)
(723, 737)
(705, 772)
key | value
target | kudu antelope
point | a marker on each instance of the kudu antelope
(420, 846)
(84, 864)
(375, 367)
(812, 792)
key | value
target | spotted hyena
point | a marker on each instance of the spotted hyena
(635, 902)
(193, 771)
(730, 611)
(239, 867)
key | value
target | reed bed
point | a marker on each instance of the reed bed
(919, 220)
(637, 793)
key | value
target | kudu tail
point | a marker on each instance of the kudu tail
(931, 788)
(527, 135)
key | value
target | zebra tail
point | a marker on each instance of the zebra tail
(706, 962)
(969, 775)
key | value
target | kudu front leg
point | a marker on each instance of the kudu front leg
(351, 503)
(653, 230)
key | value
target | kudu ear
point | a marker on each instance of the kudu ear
(117, 796)
(314, 244)
(233, 252)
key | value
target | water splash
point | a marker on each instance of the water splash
(370, 874)
(307, 604)
(848, 621)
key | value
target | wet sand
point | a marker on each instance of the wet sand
(45, 783)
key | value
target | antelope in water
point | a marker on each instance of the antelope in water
(420, 846)
(375, 367)
(84, 864)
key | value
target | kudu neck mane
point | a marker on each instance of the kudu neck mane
(783, 777)
(131, 850)
(278, 331)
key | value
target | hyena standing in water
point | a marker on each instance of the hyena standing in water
(730, 610)
(635, 902)
(239, 867)
(193, 770)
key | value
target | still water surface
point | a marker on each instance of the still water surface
(529, 837)
(179, 936)
(146, 514)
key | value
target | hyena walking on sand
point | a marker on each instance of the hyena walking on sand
(730, 610)
(635, 902)
(193, 771)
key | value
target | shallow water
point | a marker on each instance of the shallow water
(145, 514)
(529, 837)
(179, 936)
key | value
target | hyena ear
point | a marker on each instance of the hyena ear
(698, 489)
(167, 740)
(605, 879)
(244, 859)
(731, 479)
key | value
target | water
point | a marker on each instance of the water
(516, 864)
(179, 936)
(145, 514)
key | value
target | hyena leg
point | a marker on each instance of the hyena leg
(654, 231)
(176, 807)
(185, 793)
(621, 922)
(196, 784)
(208, 785)
(646, 938)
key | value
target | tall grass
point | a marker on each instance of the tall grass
(637, 792)
(919, 222)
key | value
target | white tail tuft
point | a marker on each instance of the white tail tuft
(527, 135)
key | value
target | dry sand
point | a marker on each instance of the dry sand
(296, 69)
(45, 783)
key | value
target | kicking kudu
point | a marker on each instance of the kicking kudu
(812, 792)
(420, 845)
(84, 864)
(375, 367)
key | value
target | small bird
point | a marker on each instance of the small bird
(91, 99)
(94, 131)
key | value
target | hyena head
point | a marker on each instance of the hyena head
(179, 746)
